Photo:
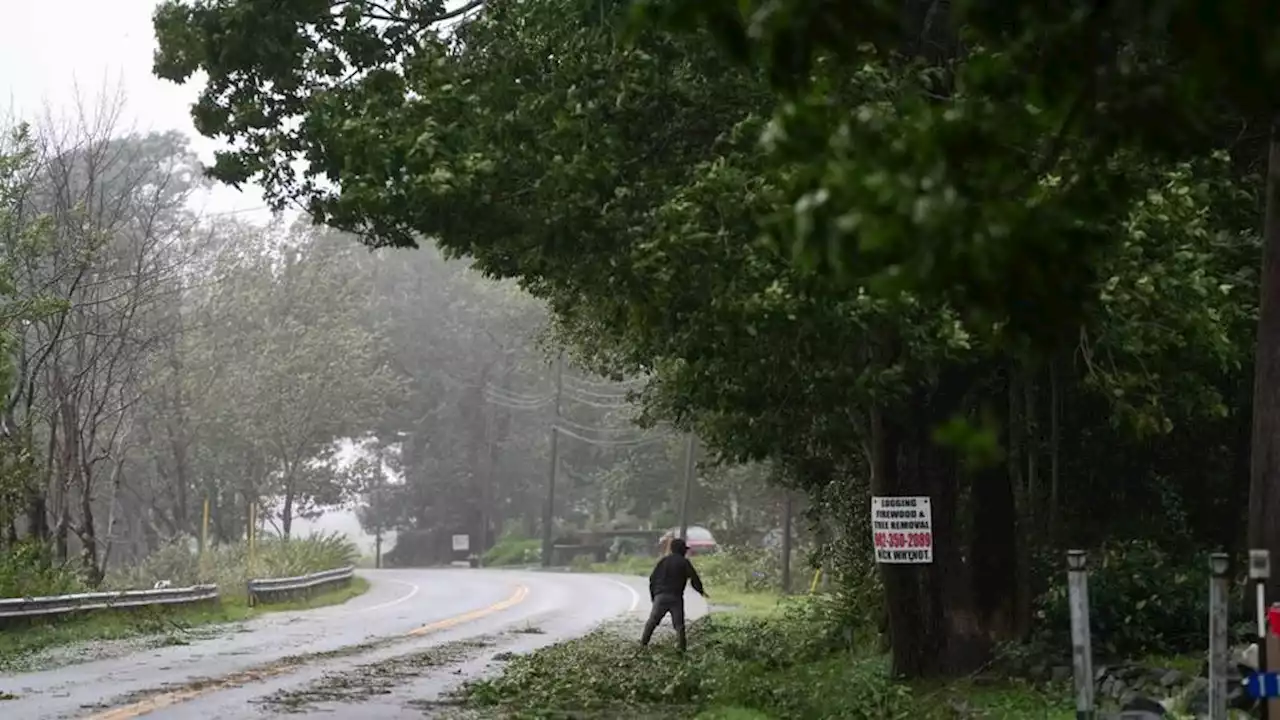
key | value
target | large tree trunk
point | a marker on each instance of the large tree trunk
(286, 513)
(1055, 447)
(1021, 512)
(88, 534)
(932, 628)
(1264, 470)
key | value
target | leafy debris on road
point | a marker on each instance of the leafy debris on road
(376, 678)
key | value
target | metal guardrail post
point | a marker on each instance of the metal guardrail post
(1260, 572)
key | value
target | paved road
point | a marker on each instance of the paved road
(386, 654)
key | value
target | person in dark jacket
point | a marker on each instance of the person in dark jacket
(666, 590)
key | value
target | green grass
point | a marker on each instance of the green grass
(996, 699)
(166, 627)
(629, 565)
(513, 552)
(1186, 664)
(725, 596)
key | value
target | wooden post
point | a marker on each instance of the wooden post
(690, 447)
(1081, 643)
(549, 512)
(786, 543)
(1259, 573)
(1218, 629)
(204, 529)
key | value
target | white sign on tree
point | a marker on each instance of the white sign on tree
(902, 528)
(461, 543)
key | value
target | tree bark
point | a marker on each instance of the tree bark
(1264, 466)
(1019, 519)
(1055, 448)
(933, 631)
(286, 513)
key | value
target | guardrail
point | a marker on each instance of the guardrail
(269, 590)
(37, 607)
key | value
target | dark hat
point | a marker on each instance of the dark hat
(679, 547)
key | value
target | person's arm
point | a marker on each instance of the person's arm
(695, 581)
(653, 581)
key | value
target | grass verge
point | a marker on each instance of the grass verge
(173, 626)
(790, 658)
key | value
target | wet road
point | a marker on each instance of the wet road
(390, 653)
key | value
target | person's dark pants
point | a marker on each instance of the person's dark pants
(662, 605)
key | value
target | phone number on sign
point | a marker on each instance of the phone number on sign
(903, 540)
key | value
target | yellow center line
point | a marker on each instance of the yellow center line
(201, 688)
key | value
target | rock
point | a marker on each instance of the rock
(1038, 671)
(1140, 705)
(1247, 657)
(1196, 702)
(1060, 674)
(1237, 699)
(1171, 678)
(1106, 687)
(1128, 697)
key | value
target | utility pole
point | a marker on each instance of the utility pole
(786, 543)
(548, 513)
(204, 529)
(378, 508)
(690, 448)
(486, 489)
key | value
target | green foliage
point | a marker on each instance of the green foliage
(795, 664)
(1143, 600)
(511, 550)
(880, 230)
(994, 168)
(229, 565)
(28, 569)
(742, 569)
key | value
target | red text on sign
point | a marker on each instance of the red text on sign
(903, 540)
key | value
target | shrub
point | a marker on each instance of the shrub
(230, 568)
(1142, 601)
(28, 570)
(796, 665)
(742, 568)
(511, 550)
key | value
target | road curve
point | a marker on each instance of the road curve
(386, 654)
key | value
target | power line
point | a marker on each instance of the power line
(609, 384)
(514, 401)
(580, 427)
(519, 406)
(600, 395)
(521, 401)
(613, 443)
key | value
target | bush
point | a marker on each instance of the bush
(511, 550)
(229, 566)
(798, 664)
(1142, 601)
(747, 569)
(28, 570)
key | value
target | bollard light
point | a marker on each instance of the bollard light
(1259, 564)
(1076, 560)
(1218, 564)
